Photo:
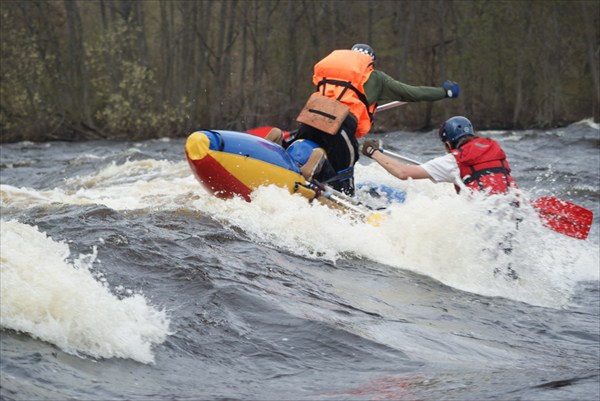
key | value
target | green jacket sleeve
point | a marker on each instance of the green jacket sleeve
(381, 86)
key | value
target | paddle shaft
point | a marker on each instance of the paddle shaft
(389, 105)
(400, 157)
(344, 200)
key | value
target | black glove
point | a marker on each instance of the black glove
(369, 147)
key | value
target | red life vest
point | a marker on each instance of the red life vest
(341, 76)
(483, 166)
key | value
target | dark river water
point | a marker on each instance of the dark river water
(122, 279)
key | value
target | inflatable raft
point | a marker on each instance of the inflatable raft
(230, 163)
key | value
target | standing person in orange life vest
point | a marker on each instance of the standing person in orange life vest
(349, 76)
(478, 163)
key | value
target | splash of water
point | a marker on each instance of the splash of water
(61, 302)
(435, 233)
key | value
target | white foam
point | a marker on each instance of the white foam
(590, 123)
(434, 232)
(134, 185)
(61, 302)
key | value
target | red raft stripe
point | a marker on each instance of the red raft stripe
(216, 179)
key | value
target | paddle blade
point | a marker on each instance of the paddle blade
(263, 131)
(564, 217)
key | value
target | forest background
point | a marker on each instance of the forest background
(132, 69)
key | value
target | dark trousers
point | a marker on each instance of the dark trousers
(342, 153)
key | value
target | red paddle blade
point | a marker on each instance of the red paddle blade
(564, 217)
(263, 131)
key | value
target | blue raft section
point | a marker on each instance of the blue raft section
(240, 143)
(383, 193)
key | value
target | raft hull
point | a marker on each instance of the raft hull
(229, 163)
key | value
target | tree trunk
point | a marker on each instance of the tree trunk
(79, 80)
(593, 56)
(139, 19)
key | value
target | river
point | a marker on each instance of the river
(122, 279)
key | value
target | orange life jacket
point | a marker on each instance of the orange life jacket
(341, 76)
(483, 166)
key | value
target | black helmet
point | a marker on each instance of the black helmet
(455, 128)
(366, 49)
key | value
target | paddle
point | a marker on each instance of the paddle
(558, 215)
(564, 217)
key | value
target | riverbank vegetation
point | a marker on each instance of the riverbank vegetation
(128, 69)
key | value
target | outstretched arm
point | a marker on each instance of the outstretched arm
(381, 87)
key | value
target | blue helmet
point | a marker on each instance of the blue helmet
(366, 49)
(455, 128)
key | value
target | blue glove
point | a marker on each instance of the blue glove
(452, 88)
